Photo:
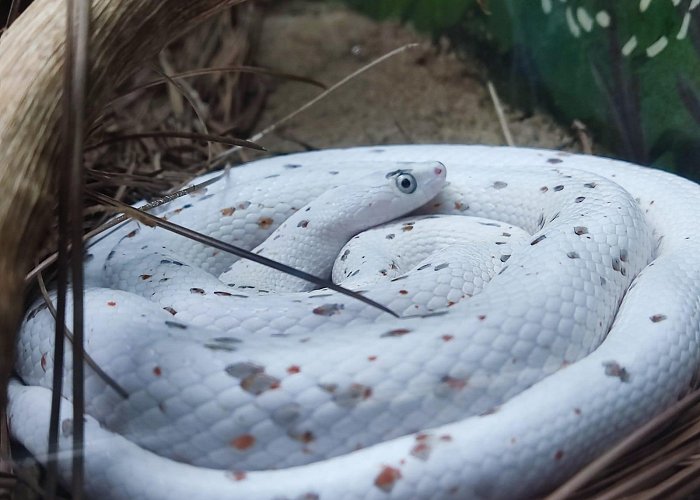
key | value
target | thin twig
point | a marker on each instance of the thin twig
(583, 136)
(189, 93)
(240, 252)
(224, 69)
(178, 135)
(501, 115)
(14, 12)
(223, 157)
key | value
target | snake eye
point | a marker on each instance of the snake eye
(406, 183)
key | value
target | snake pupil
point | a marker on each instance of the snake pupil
(406, 183)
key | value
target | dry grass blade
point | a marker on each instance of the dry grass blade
(223, 157)
(14, 12)
(191, 96)
(500, 114)
(180, 135)
(240, 252)
(71, 208)
(225, 69)
(594, 469)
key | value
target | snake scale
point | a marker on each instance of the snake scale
(565, 313)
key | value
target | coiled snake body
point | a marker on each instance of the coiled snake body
(587, 327)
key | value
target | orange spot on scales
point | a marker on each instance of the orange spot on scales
(243, 442)
(265, 222)
(386, 479)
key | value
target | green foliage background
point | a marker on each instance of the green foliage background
(644, 108)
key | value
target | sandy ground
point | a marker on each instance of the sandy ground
(423, 95)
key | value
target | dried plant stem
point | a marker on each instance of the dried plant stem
(223, 157)
(589, 472)
(501, 115)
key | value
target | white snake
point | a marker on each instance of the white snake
(314, 395)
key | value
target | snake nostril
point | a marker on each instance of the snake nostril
(438, 170)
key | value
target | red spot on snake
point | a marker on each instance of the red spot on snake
(407, 227)
(481, 317)
(111, 303)
(657, 317)
(577, 411)
(403, 292)
(454, 383)
(447, 338)
(305, 437)
(243, 442)
(265, 222)
(132, 233)
(396, 332)
(227, 212)
(303, 223)
(328, 309)
(421, 451)
(239, 475)
(386, 479)
(258, 382)
(371, 358)
(293, 369)
(446, 437)
(146, 276)
(157, 371)
(43, 361)
(461, 206)
(559, 455)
